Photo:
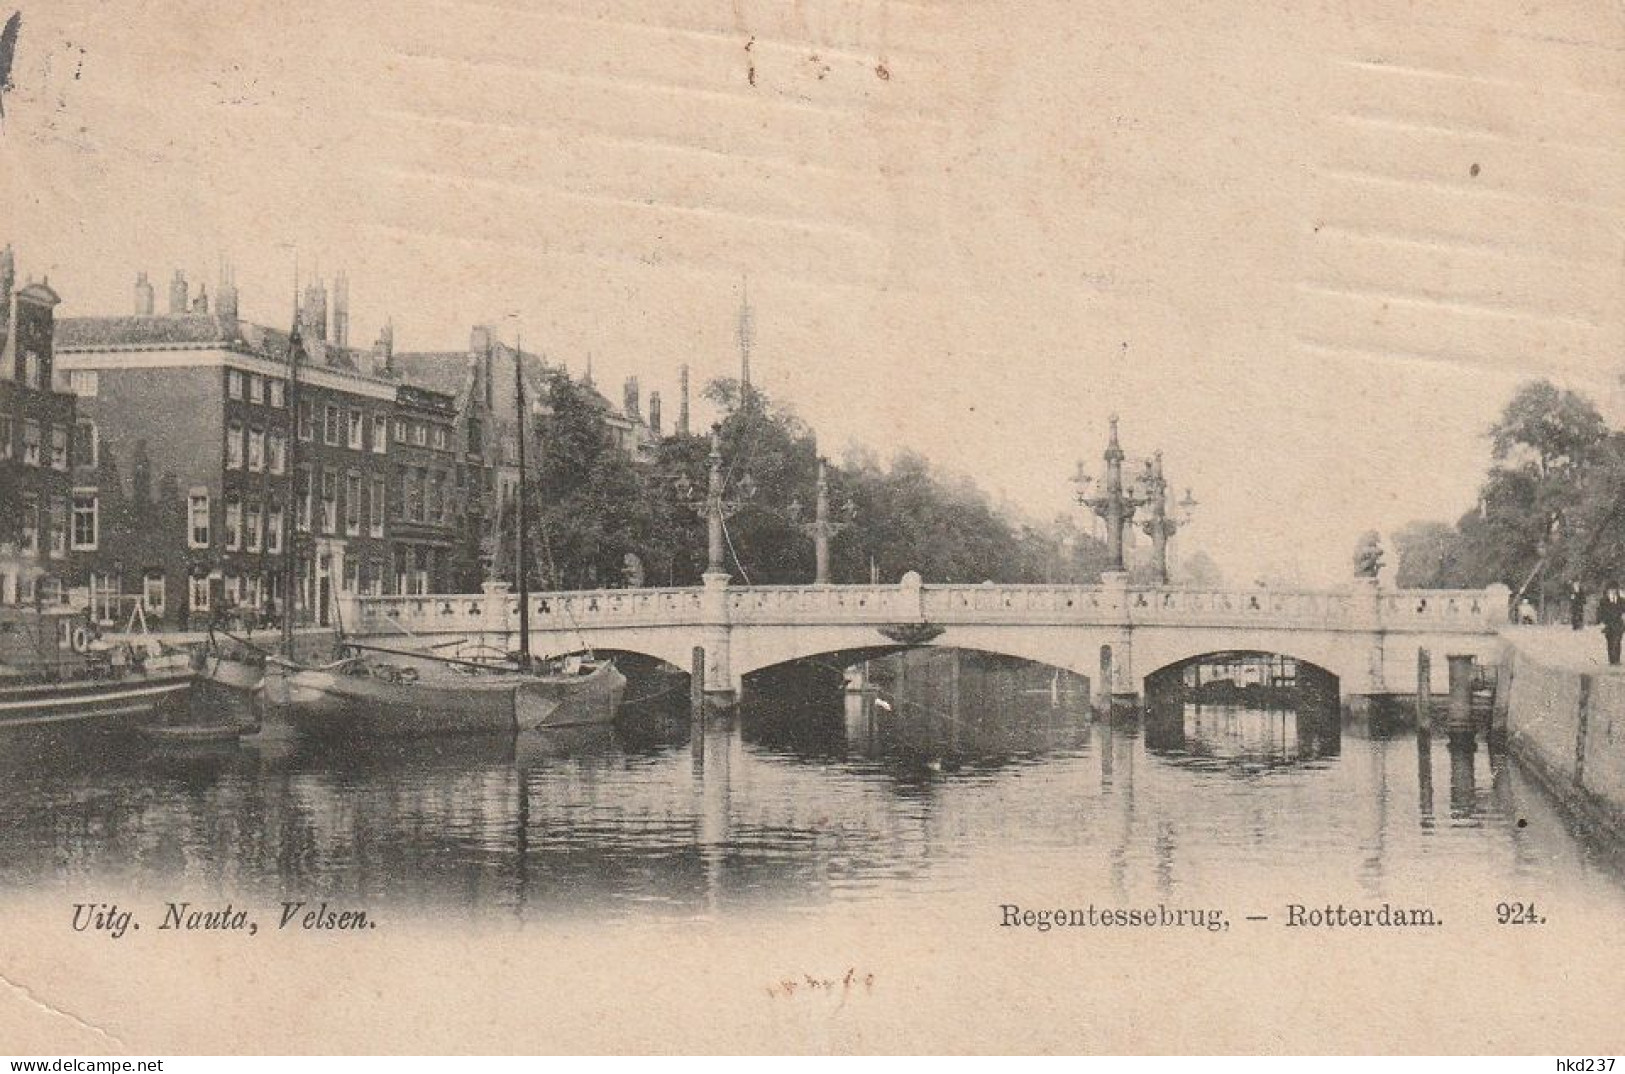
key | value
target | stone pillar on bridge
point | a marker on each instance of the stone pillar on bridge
(1125, 689)
(721, 688)
(1366, 681)
(496, 620)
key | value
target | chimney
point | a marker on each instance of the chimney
(479, 339)
(629, 398)
(682, 401)
(383, 351)
(654, 413)
(200, 303)
(341, 310)
(177, 294)
(225, 297)
(315, 310)
(143, 295)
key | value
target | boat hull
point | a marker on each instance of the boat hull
(97, 704)
(337, 703)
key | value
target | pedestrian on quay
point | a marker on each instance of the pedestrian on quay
(1577, 605)
(1611, 614)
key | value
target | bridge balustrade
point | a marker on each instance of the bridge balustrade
(1424, 609)
(951, 604)
(1292, 608)
(764, 605)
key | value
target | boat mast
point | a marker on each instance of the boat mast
(523, 527)
(290, 511)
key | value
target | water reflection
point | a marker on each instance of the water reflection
(922, 781)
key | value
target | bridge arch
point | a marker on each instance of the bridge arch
(1157, 653)
(1307, 674)
(1074, 650)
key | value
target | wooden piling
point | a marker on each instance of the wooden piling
(1424, 691)
(1460, 718)
(696, 683)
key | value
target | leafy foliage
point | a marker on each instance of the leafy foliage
(1551, 508)
(591, 505)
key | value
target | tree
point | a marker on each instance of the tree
(1426, 552)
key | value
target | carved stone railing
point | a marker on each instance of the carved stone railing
(1357, 608)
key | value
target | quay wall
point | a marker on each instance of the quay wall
(1568, 727)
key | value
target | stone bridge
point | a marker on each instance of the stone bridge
(1365, 636)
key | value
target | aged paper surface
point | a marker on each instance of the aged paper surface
(1309, 251)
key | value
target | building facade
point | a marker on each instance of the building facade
(44, 516)
(205, 445)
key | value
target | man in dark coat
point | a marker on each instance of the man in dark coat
(1611, 614)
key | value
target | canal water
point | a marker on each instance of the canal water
(931, 782)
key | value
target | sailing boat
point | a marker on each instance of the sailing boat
(386, 692)
(243, 678)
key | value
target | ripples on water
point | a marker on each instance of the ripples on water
(1008, 782)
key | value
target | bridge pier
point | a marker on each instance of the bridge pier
(721, 688)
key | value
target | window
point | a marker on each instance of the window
(380, 434)
(59, 527)
(440, 437)
(197, 592)
(420, 433)
(356, 443)
(85, 383)
(7, 434)
(234, 384)
(86, 444)
(30, 522)
(152, 592)
(234, 446)
(277, 392)
(86, 519)
(231, 590)
(352, 505)
(331, 416)
(59, 447)
(256, 450)
(256, 388)
(273, 530)
(437, 498)
(31, 369)
(352, 575)
(330, 502)
(375, 515)
(31, 442)
(234, 525)
(402, 434)
(415, 482)
(307, 420)
(278, 452)
(251, 523)
(301, 503)
(197, 519)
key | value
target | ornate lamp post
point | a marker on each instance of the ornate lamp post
(715, 506)
(1162, 524)
(822, 529)
(1116, 503)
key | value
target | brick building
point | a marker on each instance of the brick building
(200, 443)
(43, 515)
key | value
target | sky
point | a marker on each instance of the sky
(1307, 251)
